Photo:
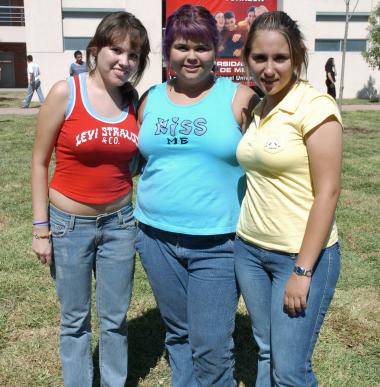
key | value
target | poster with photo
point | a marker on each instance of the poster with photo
(233, 18)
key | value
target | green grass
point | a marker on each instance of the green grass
(14, 98)
(357, 101)
(346, 354)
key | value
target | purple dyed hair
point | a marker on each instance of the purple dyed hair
(190, 22)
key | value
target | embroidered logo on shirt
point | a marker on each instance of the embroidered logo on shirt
(273, 145)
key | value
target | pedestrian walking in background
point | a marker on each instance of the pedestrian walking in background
(330, 77)
(34, 82)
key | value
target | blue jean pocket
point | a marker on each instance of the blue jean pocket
(58, 228)
(128, 222)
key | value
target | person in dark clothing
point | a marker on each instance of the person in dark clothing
(330, 77)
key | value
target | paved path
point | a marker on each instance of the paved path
(372, 106)
(33, 111)
(19, 111)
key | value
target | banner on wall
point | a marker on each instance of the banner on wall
(233, 18)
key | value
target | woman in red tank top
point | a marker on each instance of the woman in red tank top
(83, 220)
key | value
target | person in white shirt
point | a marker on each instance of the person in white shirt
(34, 83)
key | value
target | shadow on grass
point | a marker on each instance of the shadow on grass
(146, 345)
(245, 351)
(7, 99)
(146, 336)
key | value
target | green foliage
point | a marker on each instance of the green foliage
(368, 91)
(372, 55)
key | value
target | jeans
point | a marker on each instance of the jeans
(33, 86)
(194, 284)
(105, 244)
(285, 343)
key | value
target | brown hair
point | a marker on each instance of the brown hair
(280, 22)
(116, 26)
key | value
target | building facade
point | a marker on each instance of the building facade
(51, 30)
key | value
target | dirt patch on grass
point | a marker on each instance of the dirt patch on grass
(4, 221)
(354, 318)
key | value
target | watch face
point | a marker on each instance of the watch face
(299, 270)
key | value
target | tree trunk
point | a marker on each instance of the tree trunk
(341, 86)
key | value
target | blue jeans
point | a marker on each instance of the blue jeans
(33, 86)
(105, 244)
(285, 343)
(194, 283)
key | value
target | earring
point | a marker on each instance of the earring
(92, 62)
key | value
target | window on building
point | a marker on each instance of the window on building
(327, 44)
(75, 43)
(341, 17)
(87, 13)
(354, 45)
(12, 13)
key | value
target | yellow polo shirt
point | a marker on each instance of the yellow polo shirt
(279, 192)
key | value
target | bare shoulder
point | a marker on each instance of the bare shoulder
(244, 102)
(246, 94)
(141, 107)
(52, 112)
(59, 90)
(244, 90)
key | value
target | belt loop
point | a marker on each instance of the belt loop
(120, 217)
(71, 223)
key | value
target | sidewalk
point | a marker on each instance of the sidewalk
(19, 111)
(33, 111)
(350, 108)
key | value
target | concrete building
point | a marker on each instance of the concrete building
(51, 30)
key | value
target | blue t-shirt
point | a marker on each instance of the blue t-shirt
(76, 69)
(192, 182)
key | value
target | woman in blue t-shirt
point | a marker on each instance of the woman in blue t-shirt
(188, 200)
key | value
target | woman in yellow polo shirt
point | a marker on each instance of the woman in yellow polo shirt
(287, 252)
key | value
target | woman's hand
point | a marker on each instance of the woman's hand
(296, 292)
(42, 248)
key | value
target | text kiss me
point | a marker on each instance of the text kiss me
(185, 127)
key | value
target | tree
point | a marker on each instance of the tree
(344, 50)
(372, 55)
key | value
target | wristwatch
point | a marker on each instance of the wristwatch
(302, 272)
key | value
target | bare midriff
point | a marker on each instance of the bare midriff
(71, 206)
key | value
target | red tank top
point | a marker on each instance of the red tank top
(93, 153)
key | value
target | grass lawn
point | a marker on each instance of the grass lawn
(346, 354)
(358, 101)
(15, 98)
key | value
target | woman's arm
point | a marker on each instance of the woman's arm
(244, 101)
(49, 122)
(324, 147)
(330, 77)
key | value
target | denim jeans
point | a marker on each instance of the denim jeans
(105, 244)
(194, 283)
(33, 86)
(285, 343)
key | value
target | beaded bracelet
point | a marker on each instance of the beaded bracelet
(42, 236)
